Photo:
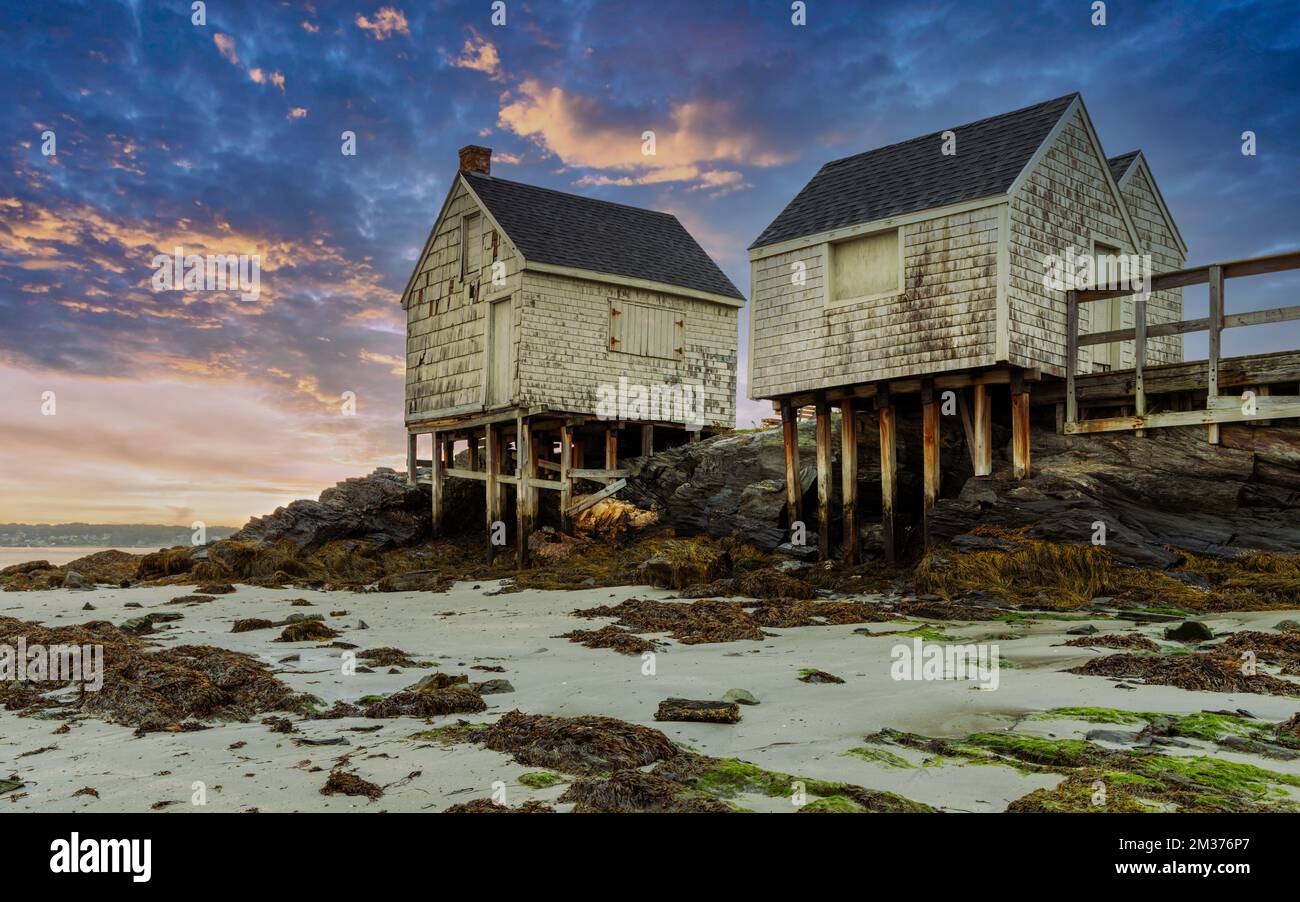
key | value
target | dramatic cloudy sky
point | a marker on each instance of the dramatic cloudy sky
(225, 138)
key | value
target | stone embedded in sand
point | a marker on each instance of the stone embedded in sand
(740, 697)
(493, 687)
(1189, 631)
(698, 711)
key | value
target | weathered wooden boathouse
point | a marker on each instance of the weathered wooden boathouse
(903, 273)
(549, 335)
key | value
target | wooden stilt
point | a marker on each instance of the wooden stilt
(410, 457)
(823, 480)
(525, 494)
(793, 483)
(611, 448)
(1060, 419)
(983, 429)
(435, 486)
(888, 473)
(1216, 334)
(647, 440)
(849, 478)
(1020, 464)
(471, 452)
(1071, 355)
(929, 453)
(492, 465)
(448, 452)
(566, 481)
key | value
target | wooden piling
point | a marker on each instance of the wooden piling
(566, 481)
(410, 457)
(888, 472)
(647, 440)
(929, 453)
(1020, 463)
(983, 431)
(492, 464)
(849, 478)
(793, 484)
(823, 479)
(611, 448)
(435, 486)
(525, 493)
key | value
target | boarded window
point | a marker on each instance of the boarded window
(866, 267)
(645, 331)
(471, 244)
(1106, 315)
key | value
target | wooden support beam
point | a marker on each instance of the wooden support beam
(647, 440)
(983, 428)
(410, 457)
(1060, 417)
(611, 448)
(525, 494)
(471, 453)
(492, 492)
(1020, 465)
(435, 487)
(823, 480)
(598, 475)
(1223, 409)
(592, 499)
(1071, 355)
(849, 478)
(1216, 336)
(793, 484)
(967, 429)
(888, 474)
(566, 477)
(929, 455)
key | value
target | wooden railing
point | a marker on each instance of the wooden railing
(1218, 410)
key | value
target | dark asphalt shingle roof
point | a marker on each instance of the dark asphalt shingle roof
(1120, 164)
(915, 175)
(601, 236)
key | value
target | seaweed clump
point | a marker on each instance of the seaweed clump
(577, 745)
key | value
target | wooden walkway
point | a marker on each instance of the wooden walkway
(1254, 374)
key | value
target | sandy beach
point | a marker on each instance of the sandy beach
(797, 727)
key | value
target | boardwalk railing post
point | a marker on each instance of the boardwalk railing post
(823, 479)
(849, 478)
(1071, 354)
(1216, 334)
(793, 483)
(1140, 359)
(929, 453)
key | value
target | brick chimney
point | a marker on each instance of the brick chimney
(474, 158)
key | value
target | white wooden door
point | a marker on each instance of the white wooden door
(500, 363)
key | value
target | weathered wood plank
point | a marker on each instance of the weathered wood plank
(566, 478)
(1071, 355)
(1259, 369)
(435, 488)
(1020, 463)
(525, 493)
(410, 457)
(595, 497)
(1215, 275)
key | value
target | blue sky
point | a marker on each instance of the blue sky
(225, 136)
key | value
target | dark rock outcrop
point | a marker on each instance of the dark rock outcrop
(381, 508)
(1168, 488)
